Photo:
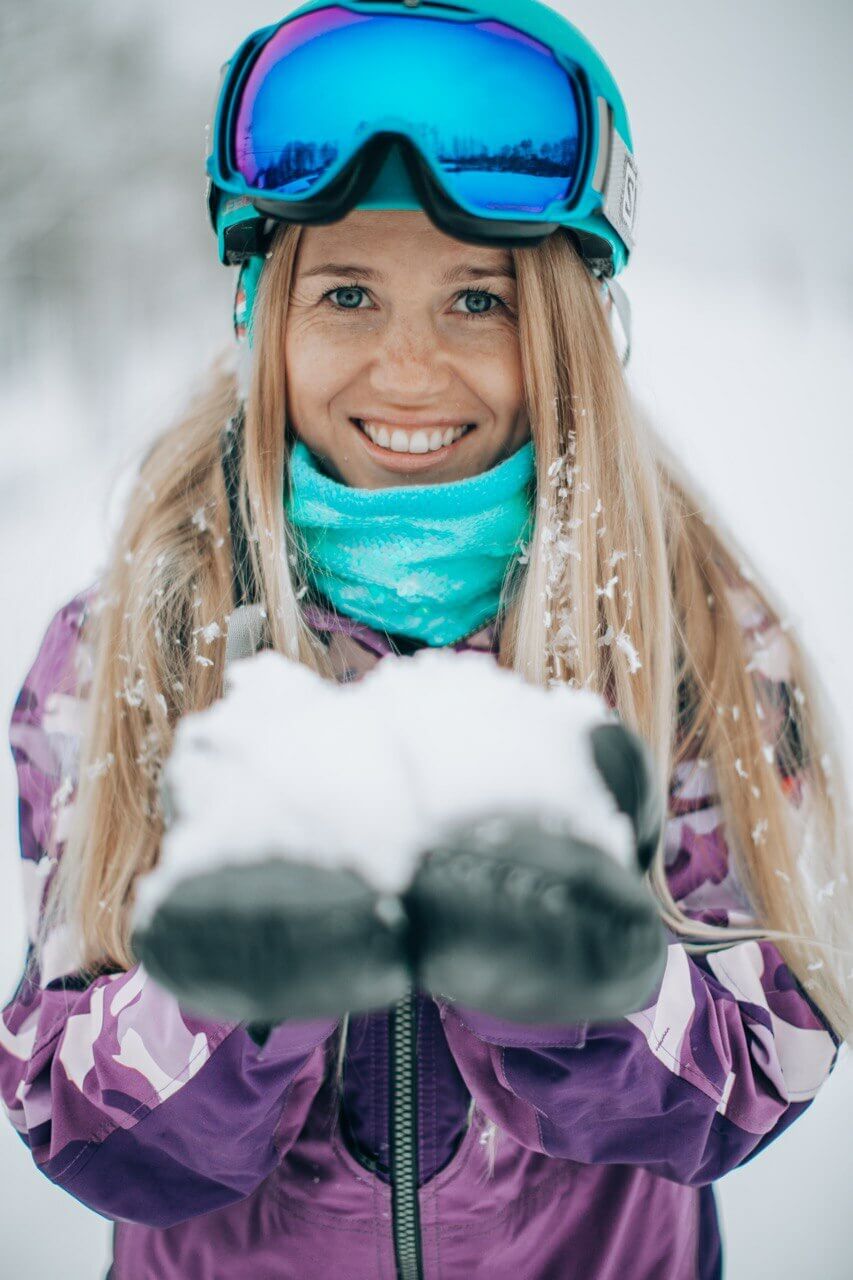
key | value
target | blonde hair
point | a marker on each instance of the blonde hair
(627, 589)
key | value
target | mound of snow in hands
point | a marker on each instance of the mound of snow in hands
(368, 775)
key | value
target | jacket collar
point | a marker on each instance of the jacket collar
(323, 617)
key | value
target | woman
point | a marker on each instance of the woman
(583, 1149)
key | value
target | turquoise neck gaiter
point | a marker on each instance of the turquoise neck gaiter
(426, 561)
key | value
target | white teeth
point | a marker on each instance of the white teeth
(420, 441)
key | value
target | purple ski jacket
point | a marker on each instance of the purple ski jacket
(218, 1158)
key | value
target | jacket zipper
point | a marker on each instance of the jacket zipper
(403, 1133)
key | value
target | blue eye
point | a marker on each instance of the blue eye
(351, 289)
(346, 288)
(479, 293)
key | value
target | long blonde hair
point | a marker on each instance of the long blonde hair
(626, 589)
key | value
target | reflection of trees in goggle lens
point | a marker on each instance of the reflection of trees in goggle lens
(301, 163)
(297, 167)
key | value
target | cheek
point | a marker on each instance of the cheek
(313, 372)
(498, 375)
(305, 389)
(303, 355)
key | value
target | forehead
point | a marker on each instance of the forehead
(382, 243)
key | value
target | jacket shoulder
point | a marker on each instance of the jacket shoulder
(45, 724)
(56, 667)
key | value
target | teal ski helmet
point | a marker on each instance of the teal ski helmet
(540, 136)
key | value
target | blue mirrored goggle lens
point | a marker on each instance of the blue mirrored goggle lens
(493, 112)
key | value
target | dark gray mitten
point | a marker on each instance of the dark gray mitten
(517, 916)
(276, 939)
(262, 906)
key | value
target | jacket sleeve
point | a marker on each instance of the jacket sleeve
(730, 1052)
(139, 1109)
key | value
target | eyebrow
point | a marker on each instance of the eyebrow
(466, 271)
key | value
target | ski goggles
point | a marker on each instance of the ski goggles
(509, 123)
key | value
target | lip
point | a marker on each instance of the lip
(409, 462)
(401, 420)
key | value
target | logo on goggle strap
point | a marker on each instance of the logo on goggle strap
(621, 190)
(629, 193)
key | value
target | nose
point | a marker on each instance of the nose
(408, 361)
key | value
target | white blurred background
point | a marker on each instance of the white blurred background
(113, 304)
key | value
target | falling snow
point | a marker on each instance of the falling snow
(133, 695)
(62, 794)
(98, 768)
(209, 633)
(624, 643)
(759, 831)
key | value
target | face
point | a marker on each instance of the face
(402, 355)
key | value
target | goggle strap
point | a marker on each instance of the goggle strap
(622, 305)
(244, 360)
(621, 189)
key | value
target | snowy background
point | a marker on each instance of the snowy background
(742, 287)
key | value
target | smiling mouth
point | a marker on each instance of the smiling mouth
(424, 440)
